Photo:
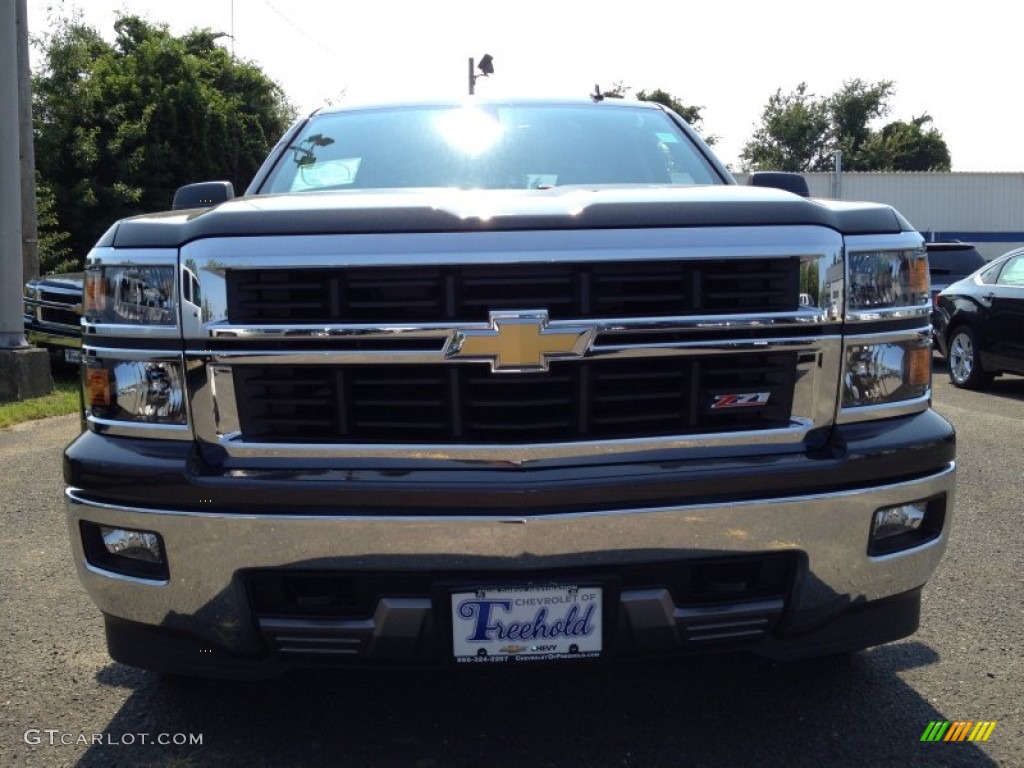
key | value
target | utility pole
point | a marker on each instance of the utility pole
(837, 176)
(24, 372)
(29, 217)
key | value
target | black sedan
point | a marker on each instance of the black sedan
(979, 323)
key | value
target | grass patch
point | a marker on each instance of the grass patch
(64, 399)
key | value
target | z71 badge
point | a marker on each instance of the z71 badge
(746, 400)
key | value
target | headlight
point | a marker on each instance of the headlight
(885, 280)
(879, 374)
(135, 391)
(130, 295)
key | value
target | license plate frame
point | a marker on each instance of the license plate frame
(73, 356)
(532, 622)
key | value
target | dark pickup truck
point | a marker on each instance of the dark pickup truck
(504, 382)
(53, 316)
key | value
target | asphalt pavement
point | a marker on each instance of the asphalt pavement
(63, 702)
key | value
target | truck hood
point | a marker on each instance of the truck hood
(453, 210)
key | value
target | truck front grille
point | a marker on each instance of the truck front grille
(59, 308)
(467, 293)
(450, 404)
(66, 317)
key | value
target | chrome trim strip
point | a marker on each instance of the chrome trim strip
(38, 289)
(745, 322)
(891, 313)
(40, 304)
(139, 429)
(692, 348)
(884, 410)
(515, 454)
(118, 353)
(213, 255)
(923, 334)
(122, 577)
(904, 241)
(130, 257)
(130, 331)
(274, 332)
(397, 356)
(327, 357)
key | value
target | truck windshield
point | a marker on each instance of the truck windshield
(490, 147)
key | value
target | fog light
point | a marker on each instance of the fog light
(892, 521)
(138, 545)
(125, 551)
(905, 526)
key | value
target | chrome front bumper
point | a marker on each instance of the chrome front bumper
(205, 599)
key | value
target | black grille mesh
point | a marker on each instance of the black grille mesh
(575, 400)
(467, 293)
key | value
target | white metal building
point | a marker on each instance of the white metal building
(986, 209)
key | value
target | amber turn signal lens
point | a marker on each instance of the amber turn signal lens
(94, 296)
(919, 366)
(919, 279)
(97, 387)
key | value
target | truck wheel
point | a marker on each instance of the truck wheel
(965, 369)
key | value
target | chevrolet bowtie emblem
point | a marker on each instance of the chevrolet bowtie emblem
(519, 342)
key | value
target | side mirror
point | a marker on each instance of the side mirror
(787, 182)
(203, 195)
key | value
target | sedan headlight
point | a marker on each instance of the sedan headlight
(130, 295)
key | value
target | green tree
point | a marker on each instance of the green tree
(851, 110)
(802, 132)
(120, 126)
(52, 241)
(908, 146)
(792, 135)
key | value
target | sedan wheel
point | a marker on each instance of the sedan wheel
(964, 363)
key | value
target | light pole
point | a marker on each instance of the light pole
(486, 70)
(24, 371)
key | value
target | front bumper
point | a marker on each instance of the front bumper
(48, 337)
(205, 610)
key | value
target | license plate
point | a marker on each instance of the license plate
(536, 623)
(73, 356)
